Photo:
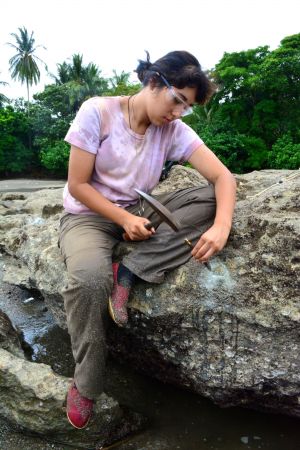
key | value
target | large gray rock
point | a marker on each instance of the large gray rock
(11, 338)
(29, 233)
(33, 397)
(230, 334)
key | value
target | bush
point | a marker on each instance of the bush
(55, 157)
(15, 155)
(255, 153)
(239, 152)
(228, 147)
(285, 154)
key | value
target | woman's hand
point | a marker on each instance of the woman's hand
(135, 229)
(214, 239)
(211, 242)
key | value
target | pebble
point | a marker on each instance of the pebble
(28, 300)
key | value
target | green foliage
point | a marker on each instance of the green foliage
(119, 84)
(51, 116)
(15, 156)
(239, 152)
(81, 82)
(56, 99)
(55, 108)
(279, 81)
(55, 157)
(285, 154)
(255, 153)
(3, 98)
(251, 123)
(123, 89)
(259, 90)
(51, 113)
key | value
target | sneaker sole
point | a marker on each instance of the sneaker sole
(112, 314)
(78, 428)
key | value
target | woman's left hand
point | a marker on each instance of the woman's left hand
(211, 242)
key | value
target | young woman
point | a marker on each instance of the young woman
(119, 144)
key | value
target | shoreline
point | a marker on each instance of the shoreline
(29, 185)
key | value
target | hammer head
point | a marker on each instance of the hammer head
(161, 210)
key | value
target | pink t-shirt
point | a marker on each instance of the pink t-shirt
(124, 160)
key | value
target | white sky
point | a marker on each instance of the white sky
(114, 33)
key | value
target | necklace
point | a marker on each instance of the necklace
(137, 143)
(129, 115)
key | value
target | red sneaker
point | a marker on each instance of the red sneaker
(118, 300)
(79, 408)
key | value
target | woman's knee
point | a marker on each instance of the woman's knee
(92, 279)
(206, 194)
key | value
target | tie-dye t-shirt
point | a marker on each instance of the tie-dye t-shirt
(124, 160)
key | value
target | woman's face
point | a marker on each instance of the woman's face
(169, 103)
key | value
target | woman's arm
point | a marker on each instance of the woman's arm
(214, 239)
(81, 166)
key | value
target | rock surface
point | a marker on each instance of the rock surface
(231, 334)
(33, 397)
(11, 339)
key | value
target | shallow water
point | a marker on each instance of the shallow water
(178, 419)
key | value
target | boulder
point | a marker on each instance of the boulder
(32, 397)
(29, 234)
(230, 334)
(11, 338)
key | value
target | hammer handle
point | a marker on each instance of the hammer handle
(149, 225)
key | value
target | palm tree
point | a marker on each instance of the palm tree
(81, 81)
(63, 73)
(119, 78)
(121, 85)
(95, 84)
(77, 69)
(85, 82)
(24, 64)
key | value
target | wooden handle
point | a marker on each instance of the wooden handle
(149, 225)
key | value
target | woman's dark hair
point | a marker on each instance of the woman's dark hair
(181, 69)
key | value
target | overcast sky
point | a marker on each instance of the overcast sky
(114, 33)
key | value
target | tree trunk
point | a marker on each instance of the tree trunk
(29, 130)
(27, 84)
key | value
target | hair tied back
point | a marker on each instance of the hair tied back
(143, 67)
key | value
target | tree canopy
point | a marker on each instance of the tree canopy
(3, 98)
(256, 105)
(251, 123)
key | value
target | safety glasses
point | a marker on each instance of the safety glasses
(178, 101)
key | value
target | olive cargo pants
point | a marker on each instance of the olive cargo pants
(87, 242)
